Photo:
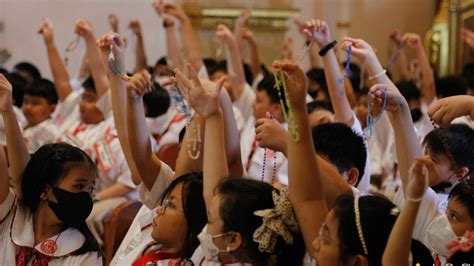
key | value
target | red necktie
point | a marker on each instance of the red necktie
(154, 256)
(437, 262)
(252, 152)
(25, 254)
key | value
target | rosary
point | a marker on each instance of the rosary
(287, 114)
(114, 67)
(371, 120)
(70, 48)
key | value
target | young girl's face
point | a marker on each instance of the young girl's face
(327, 243)
(36, 109)
(80, 178)
(459, 217)
(169, 225)
(90, 114)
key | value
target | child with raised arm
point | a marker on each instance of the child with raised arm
(433, 228)
(44, 221)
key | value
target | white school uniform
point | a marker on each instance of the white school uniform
(36, 136)
(245, 103)
(253, 157)
(16, 230)
(138, 236)
(166, 128)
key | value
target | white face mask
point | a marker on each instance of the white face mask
(210, 250)
(440, 233)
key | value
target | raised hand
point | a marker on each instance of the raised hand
(224, 35)
(83, 28)
(175, 10)
(360, 48)
(203, 95)
(412, 41)
(113, 22)
(418, 181)
(247, 34)
(271, 134)
(134, 25)
(244, 16)
(468, 37)
(296, 82)
(394, 101)
(6, 102)
(47, 31)
(319, 31)
(139, 84)
(447, 109)
(112, 38)
(396, 36)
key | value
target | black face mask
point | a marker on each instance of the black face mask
(416, 114)
(71, 208)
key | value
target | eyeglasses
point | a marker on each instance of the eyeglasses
(167, 203)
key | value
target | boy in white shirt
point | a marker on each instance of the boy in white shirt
(39, 102)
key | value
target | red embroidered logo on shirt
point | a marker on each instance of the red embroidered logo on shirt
(49, 247)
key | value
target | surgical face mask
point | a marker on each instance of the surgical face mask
(71, 208)
(440, 233)
(210, 250)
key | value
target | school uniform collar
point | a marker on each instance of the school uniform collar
(22, 234)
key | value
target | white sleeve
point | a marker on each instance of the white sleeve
(104, 104)
(427, 212)
(66, 107)
(151, 197)
(245, 102)
(202, 72)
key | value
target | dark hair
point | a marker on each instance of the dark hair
(162, 61)
(456, 142)
(464, 193)
(194, 208)
(18, 85)
(450, 86)
(89, 85)
(28, 67)
(316, 75)
(248, 73)
(268, 85)
(43, 88)
(468, 74)
(319, 105)
(462, 258)
(344, 148)
(157, 101)
(48, 166)
(377, 218)
(240, 198)
(3, 71)
(218, 66)
(210, 64)
(409, 90)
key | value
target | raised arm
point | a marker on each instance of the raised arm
(192, 45)
(60, 75)
(173, 47)
(428, 89)
(234, 60)
(97, 67)
(17, 151)
(254, 57)
(113, 22)
(306, 190)
(397, 251)
(406, 141)
(5, 188)
(332, 71)
(119, 98)
(402, 60)
(445, 110)
(140, 55)
(205, 101)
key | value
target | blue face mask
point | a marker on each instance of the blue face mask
(71, 208)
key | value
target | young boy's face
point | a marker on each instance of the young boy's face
(90, 114)
(459, 217)
(36, 109)
(443, 167)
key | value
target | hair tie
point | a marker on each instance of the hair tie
(279, 221)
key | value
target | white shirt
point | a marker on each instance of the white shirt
(255, 155)
(16, 229)
(245, 102)
(167, 127)
(138, 236)
(364, 182)
(36, 136)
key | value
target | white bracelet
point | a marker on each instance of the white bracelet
(378, 75)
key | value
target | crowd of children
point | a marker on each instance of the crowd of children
(341, 165)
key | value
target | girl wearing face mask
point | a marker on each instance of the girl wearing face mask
(42, 220)
(249, 222)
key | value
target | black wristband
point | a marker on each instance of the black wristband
(328, 47)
